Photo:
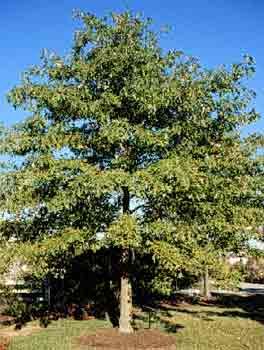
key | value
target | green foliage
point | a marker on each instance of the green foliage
(119, 115)
(124, 233)
(226, 277)
(19, 310)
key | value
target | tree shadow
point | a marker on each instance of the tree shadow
(171, 327)
(208, 315)
(151, 316)
(247, 307)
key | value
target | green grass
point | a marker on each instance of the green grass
(194, 327)
(59, 335)
(213, 328)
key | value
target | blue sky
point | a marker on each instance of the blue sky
(215, 31)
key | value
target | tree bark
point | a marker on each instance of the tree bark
(125, 306)
(205, 284)
(125, 285)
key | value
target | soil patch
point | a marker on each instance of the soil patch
(4, 343)
(111, 339)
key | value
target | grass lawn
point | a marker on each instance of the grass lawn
(59, 335)
(195, 327)
(213, 328)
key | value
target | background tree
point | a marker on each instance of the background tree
(114, 150)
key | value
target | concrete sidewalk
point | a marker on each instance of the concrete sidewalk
(244, 289)
(252, 288)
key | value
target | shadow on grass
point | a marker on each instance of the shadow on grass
(251, 307)
(207, 315)
(171, 327)
(153, 316)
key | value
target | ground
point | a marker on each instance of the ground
(59, 335)
(195, 327)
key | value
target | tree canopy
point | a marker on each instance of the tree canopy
(130, 146)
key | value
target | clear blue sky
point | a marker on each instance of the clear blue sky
(215, 31)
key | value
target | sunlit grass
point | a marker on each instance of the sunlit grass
(59, 335)
(195, 328)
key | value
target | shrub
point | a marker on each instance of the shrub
(254, 270)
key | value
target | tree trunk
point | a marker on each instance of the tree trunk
(125, 285)
(48, 292)
(205, 284)
(125, 306)
(111, 300)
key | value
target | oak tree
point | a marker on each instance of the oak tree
(120, 150)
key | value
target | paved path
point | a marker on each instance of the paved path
(245, 289)
(252, 288)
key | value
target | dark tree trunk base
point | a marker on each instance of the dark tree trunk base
(111, 339)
